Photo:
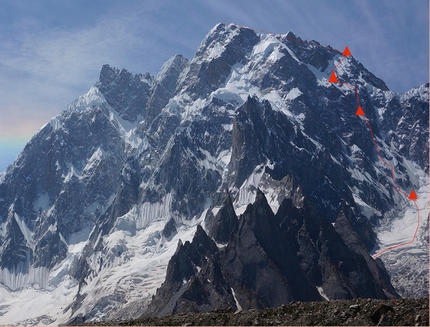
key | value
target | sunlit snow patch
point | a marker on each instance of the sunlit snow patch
(294, 93)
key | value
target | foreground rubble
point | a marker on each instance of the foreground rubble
(359, 312)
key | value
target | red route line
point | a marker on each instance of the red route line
(340, 61)
(355, 89)
(397, 189)
(374, 142)
(382, 159)
(377, 151)
(392, 173)
(393, 184)
(347, 84)
(405, 243)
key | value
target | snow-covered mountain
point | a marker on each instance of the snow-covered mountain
(248, 140)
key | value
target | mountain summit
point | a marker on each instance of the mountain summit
(240, 178)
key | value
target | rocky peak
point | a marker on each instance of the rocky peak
(182, 269)
(224, 46)
(173, 66)
(127, 93)
(190, 255)
(166, 84)
(224, 221)
(221, 35)
(108, 74)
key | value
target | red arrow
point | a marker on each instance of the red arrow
(333, 78)
(346, 52)
(359, 111)
(413, 196)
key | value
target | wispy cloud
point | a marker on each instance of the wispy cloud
(43, 68)
(66, 56)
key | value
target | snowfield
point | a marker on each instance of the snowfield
(408, 264)
(144, 258)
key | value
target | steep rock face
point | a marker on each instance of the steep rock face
(249, 140)
(355, 244)
(65, 190)
(262, 134)
(187, 261)
(259, 262)
(224, 221)
(126, 93)
(270, 260)
(405, 122)
(165, 87)
(214, 59)
(327, 260)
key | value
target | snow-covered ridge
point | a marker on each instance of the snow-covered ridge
(92, 98)
(421, 92)
(213, 44)
(275, 191)
(163, 72)
(268, 49)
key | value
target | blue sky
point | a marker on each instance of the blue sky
(52, 51)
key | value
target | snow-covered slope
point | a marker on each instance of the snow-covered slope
(94, 207)
(408, 264)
